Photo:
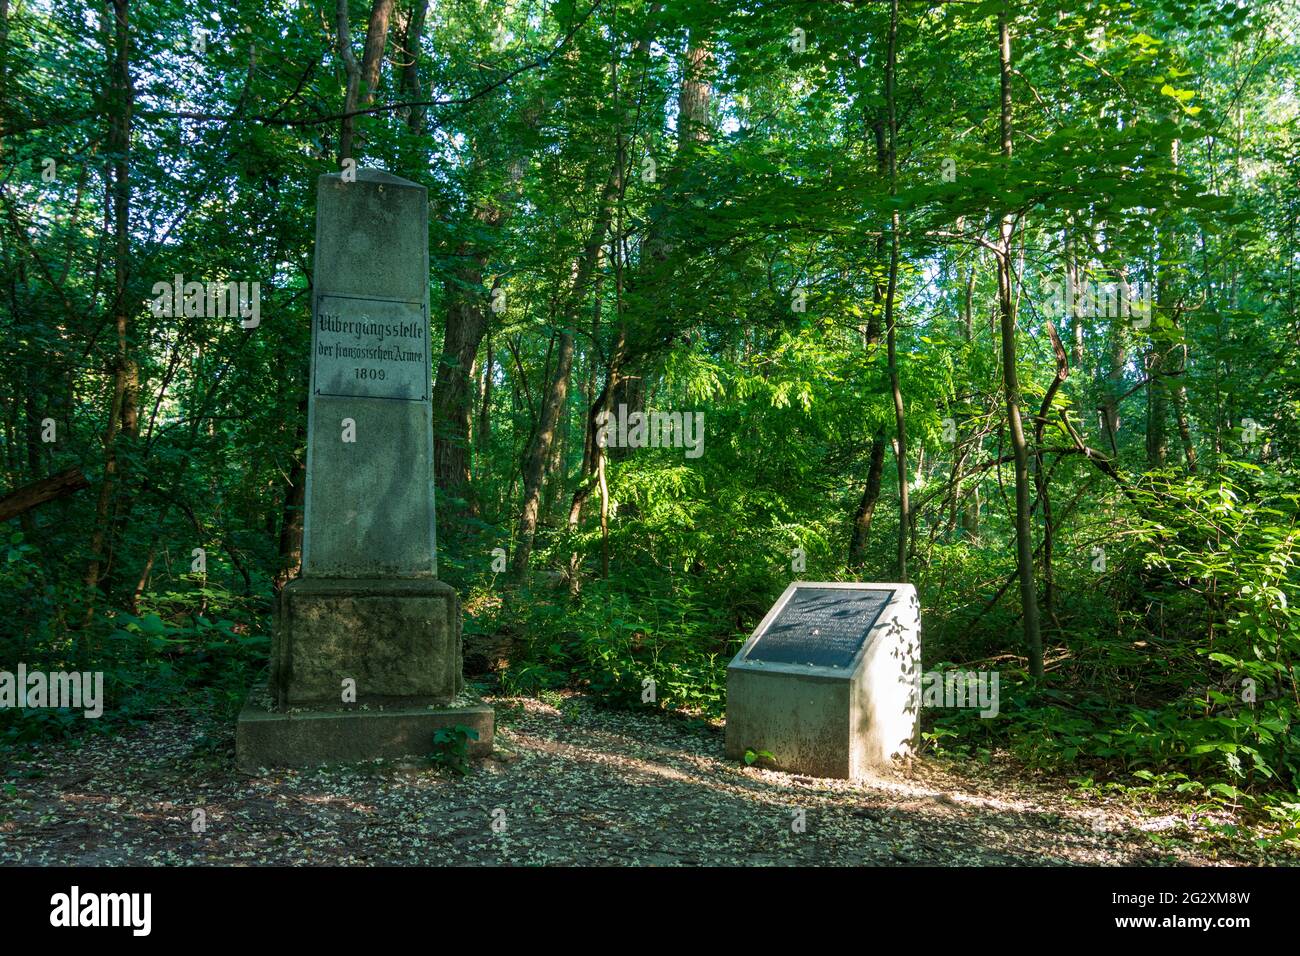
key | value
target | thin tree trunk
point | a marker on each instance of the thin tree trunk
(413, 150)
(290, 543)
(122, 418)
(539, 454)
(866, 510)
(353, 73)
(965, 507)
(483, 439)
(1157, 406)
(1041, 478)
(694, 97)
(143, 581)
(1019, 447)
(1072, 284)
(596, 452)
(891, 321)
(867, 503)
(1109, 408)
(1184, 430)
(408, 78)
(1157, 385)
(467, 323)
(4, 64)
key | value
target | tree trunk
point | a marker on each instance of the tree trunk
(483, 439)
(891, 322)
(693, 99)
(372, 55)
(1157, 384)
(867, 503)
(1041, 482)
(1157, 406)
(22, 500)
(965, 507)
(353, 74)
(409, 77)
(866, 510)
(290, 545)
(1184, 430)
(412, 150)
(1019, 447)
(535, 466)
(467, 323)
(122, 417)
(594, 454)
(1072, 284)
(1114, 386)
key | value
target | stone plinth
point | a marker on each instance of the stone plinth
(267, 736)
(394, 638)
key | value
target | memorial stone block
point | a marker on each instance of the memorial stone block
(829, 682)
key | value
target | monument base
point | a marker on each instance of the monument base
(392, 638)
(803, 720)
(301, 737)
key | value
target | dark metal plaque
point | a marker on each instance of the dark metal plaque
(824, 627)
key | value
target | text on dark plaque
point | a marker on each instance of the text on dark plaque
(822, 627)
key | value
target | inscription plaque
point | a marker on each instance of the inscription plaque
(370, 348)
(824, 627)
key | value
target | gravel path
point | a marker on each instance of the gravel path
(575, 784)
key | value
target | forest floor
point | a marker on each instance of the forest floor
(573, 784)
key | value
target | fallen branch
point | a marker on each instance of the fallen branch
(24, 499)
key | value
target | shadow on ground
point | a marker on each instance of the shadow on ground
(576, 785)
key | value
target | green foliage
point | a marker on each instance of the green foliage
(1216, 676)
(171, 655)
(618, 642)
(451, 748)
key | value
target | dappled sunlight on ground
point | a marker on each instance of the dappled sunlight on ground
(575, 784)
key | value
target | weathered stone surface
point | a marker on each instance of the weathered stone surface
(268, 737)
(369, 509)
(803, 720)
(831, 720)
(396, 638)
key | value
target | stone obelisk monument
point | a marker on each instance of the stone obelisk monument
(366, 655)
